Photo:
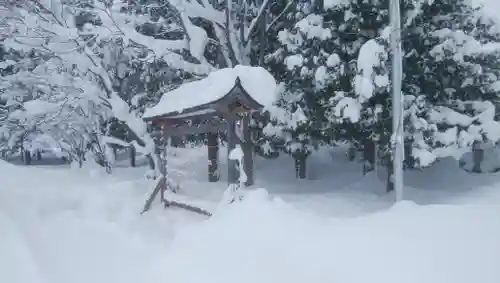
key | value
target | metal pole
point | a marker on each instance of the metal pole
(397, 99)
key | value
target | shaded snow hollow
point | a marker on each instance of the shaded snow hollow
(258, 82)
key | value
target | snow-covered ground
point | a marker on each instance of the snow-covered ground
(66, 225)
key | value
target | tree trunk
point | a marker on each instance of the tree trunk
(477, 157)
(263, 42)
(38, 155)
(368, 156)
(80, 157)
(115, 151)
(182, 142)
(351, 153)
(409, 161)
(318, 6)
(300, 166)
(213, 157)
(132, 154)
(390, 180)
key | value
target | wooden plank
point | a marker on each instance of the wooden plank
(213, 127)
(191, 208)
(179, 119)
(223, 110)
(199, 108)
(169, 203)
(153, 195)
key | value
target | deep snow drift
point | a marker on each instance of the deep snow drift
(261, 240)
(61, 226)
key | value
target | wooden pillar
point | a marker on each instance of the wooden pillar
(213, 157)
(132, 156)
(162, 160)
(247, 147)
(232, 138)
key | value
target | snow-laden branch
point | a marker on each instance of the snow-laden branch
(58, 39)
(255, 20)
(285, 10)
(233, 29)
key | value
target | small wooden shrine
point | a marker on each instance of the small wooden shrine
(229, 112)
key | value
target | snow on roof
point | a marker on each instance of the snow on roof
(258, 83)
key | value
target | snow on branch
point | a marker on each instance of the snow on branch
(372, 56)
(255, 20)
(461, 45)
(62, 45)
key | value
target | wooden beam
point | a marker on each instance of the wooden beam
(193, 111)
(179, 119)
(184, 130)
(188, 207)
(153, 195)
(224, 111)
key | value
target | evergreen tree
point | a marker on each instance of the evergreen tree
(452, 66)
(450, 74)
(449, 71)
(304, 63)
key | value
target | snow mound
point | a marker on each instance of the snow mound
(60, 226)
(7, 166)
(12, 170)
(17, 264)
(258, 82)
(265, 240)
